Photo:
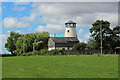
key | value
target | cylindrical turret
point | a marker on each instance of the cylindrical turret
(70, 29)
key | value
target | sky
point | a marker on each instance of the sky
(28, 17)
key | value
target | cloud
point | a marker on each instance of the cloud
(52, 35)
(50, 28)
(12, 23)
(54, 15)
(80, 31)
(19, 8)
(18, 31)
(87, 36)
(112, 18)
(3, 38)
(84, 38)
(84, 14)
(73, 9)
(84, 22)
(60, 0)
(31, 18)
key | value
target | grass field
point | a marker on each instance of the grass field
(60, 67)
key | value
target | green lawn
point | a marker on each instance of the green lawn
(60, 67)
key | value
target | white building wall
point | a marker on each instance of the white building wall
(66, 48)
(71, 33)
(51, 48)
(62, 48)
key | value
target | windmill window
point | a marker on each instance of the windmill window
(71, 25)
(67, 24)
(68, 31)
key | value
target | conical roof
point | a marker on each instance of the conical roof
(70, 21)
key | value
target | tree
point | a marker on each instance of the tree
(28, 43)
(44, 36)
(106, 33)
(92, 44)
(116, 30)
(116, 37)
(111, 37)
(38, 45)
(79, 46)
(11, 41)
(19, 44)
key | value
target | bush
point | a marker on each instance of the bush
(54, 52)
(18, 52)
(24, 54)
(35, 52)
(27, 54)
(30, 53)
(38, 45)
(79, 46)
(5, 55)
(43, 52)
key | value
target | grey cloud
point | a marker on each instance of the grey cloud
(60, 0)
(84, 13)
(75, 9)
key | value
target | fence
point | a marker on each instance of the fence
(85, 52)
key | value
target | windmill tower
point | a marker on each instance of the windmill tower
(70, 29)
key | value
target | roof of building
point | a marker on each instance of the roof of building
(64, 39)
(70, 21)
(117, 48)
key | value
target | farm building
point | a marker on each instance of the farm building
(67, 42)
(117, 50)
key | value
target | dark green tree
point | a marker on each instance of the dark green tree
(106, 33)
(38, 45)
(92, 44)
(79, 46)
(44, 36)
(116, 30)
(111, 38)
(116, 37)
(19, 45)
(11, 41)
(33, 41)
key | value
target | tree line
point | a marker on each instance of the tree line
(22, 43)
(19, 44)
(110, 37)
